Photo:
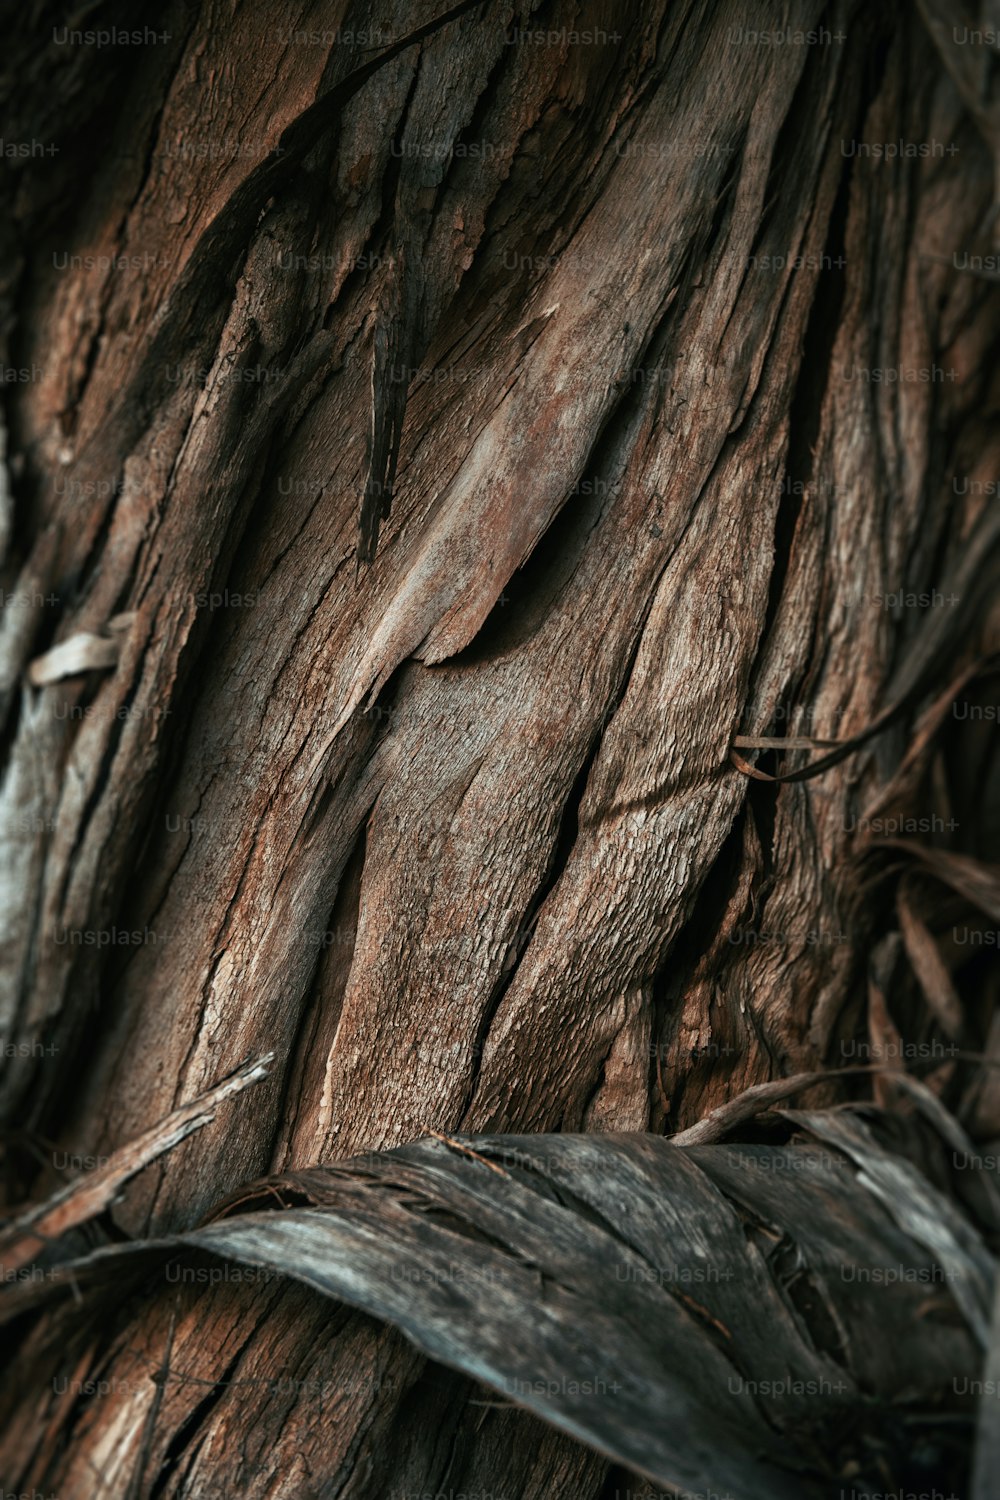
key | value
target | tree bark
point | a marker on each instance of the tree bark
(441, 444)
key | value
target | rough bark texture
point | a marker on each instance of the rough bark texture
(475, 439)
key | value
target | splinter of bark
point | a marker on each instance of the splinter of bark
(759, 1097)
(448, 1140)
(82, 1200)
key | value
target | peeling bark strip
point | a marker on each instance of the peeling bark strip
(498, 541)
(689, 1268)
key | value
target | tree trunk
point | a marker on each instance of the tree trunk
(434, 440)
